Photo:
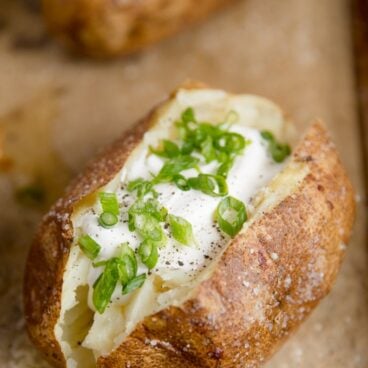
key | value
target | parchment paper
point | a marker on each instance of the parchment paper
(296, 52)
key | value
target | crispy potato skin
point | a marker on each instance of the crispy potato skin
(106, 28)
(265, 284)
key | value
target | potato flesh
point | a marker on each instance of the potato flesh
(107, 331)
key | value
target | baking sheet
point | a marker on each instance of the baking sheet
(296, 52)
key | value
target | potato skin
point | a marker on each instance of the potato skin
(253, 301)
(106, 28)
(265, 284)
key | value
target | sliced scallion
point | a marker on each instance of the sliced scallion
(89, 246)
(109, 202)
(187, 115)
(230, 142)
(231, 215)
(169, 149)
(278, 151)
(127, 263)
(213, 185)
(107, 219)
(174, 167)
(105, 286)
(141, 186)
(207, 149)
(225, 167)
(181, 182)
(181, 230)
(134, 284)
(148, 253)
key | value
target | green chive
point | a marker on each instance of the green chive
(174, 167)
(134, 284)
(231, 215)
(127, 268)
(278, 151)
(107, 219)
(230, 142)
(127, 263)
(105, 286)
(142, 187)
(181, 229)
(181, 182)
(225, 167)
(126, 250)
(109, 203)
(213, 185)
(187, 148)
(267, 135)
(187, 115)
(99, 264)
(149, 228)
(148, 253)
(89, 246)
(145, 218)
(207, 149)
(154, 208)
(169, 149)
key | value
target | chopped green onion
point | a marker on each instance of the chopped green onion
(187, 148)
(222, 156)
(149, 228)
(149, 207)
(181, 182)
(187, 115)
(99, 264)
(181, 229)
(105, 286)
(107, 219)
(127, 267)
(127, 263)
(230, 142)
(126, 250)
(278, 151)
(145, 218)
(225, 167)
(142, 187)
(169, 149)
(89, 246)
(155, 209)
(109, 203)
(174, 167)
(134, 284)
(231, 215)
(148, 253)
(267, 135)
(203, 131)
(213, 185)
(207, 149)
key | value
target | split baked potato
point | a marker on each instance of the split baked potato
(201, 238)
(106, 28)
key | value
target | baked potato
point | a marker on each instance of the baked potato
(106, 28)
(202, 237)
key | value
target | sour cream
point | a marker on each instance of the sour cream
(252, 170)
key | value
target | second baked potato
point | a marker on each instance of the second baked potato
(106, 28)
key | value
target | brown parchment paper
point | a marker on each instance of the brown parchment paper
(296, 52)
